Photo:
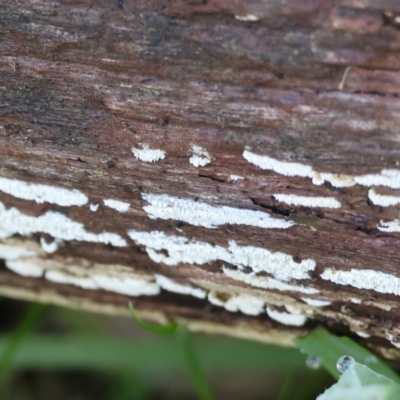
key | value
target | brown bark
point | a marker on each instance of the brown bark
(308, 82)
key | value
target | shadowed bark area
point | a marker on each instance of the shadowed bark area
(235, 167)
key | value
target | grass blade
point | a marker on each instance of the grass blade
(197, 378)
(150, 355)
(286, 386)
(163, 329)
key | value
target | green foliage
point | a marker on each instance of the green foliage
(330, 348)
(149, 355)
(360, 382)
(17, 338)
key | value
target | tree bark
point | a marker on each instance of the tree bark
(233, 166)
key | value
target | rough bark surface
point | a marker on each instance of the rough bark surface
(273, 131)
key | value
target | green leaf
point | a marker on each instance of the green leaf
(330, 348)
(149, 355)
(197, 378)
(360, 382)
(163, 329)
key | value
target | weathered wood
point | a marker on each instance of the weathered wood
(284, 113)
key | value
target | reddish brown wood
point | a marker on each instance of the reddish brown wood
(81, 83)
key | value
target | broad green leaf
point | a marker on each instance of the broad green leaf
(330, 348)
(360, 382)
(163, 329)
(149, 355)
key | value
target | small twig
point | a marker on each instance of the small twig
(346, 72)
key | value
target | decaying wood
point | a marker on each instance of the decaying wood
(250, 151)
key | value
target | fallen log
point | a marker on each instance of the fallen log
(234, 167)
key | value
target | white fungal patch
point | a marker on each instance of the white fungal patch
(355, 301)
(11, 252)
(383, 200)
(51, 247)
(265, 282)
(243, 303)
(246, 304)
(363, 334)
(148, 155)
(201, 214)
(387, 177)
(391, 338)
(234, 178)
(120, 206)
(94, 206)
(364, 279)
(4, 234)
(68, 279)
(200, 157)
(181, 250)
(55, 224)
(306, 201)
(173, 286)
(391, 226)
(362, 125)
(280, 167)
(248, 17)
(42, 193)
(287, 318)
(127, 285)
(316, 302)
(124, 284)
(297, 169)
(213, 298)
(25, 267)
